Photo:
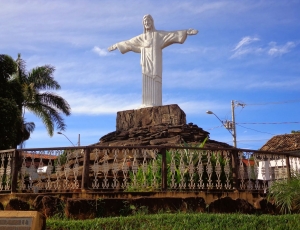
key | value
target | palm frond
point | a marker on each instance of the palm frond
(47, 106)
(54, 100)
(38, 110)
(42, 77)
(29, 126)
(49, 116)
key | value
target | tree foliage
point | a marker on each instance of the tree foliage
(11, 98)
(295, 131)
(21, 91)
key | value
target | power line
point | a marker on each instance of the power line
(270, 123)
(215, 127)
(255, 130)
(253, 140)
(259, 123)
(276, 102)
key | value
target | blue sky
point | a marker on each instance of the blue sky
(247, 51)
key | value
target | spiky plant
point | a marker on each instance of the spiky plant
(286, 194)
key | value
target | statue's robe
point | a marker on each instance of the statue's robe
(150, 46)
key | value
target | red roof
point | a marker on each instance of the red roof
(248, 162)
(37, 155)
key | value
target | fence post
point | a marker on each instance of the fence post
(164, 169)
(288, 166)
(235, 168)
(86, 169)
(14, 172)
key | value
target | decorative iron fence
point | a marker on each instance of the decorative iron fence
(141, 169)
(5, 169)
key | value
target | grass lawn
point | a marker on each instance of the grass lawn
(183, 221)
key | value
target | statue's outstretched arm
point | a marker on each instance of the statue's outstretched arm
(112, 48)
(192, 32)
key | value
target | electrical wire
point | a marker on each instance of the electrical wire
(255, 130)
(215, 127)
(252, 140)
(276, 102)
(269, 123)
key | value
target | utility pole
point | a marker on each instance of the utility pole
(230, 125)
(233, 124)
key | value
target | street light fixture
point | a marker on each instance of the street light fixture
(229, 125)
(67, 138)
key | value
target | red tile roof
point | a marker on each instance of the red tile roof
(248, 162)
(43, 156)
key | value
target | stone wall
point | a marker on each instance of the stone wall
(92, 205)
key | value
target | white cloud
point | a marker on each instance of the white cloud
(97, 104)
(243, 48)
(94, 104)
(200, 107)
(100, 52)
(245, 51)
(245, 41)
(290, 84)
(202, 79)
(279, 50)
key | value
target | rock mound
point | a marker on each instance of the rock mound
(159, 125)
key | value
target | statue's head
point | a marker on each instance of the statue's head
(148, 23)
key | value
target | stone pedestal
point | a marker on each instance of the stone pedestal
(159, 125)
(150, 116)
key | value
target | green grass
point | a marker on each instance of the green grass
(183, 221)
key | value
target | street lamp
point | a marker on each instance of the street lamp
(229, 125)
(69, 139)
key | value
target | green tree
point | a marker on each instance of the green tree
(22, 91)
(46, 105)
(11, 98)
(295, 131)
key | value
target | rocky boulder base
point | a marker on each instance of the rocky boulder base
(159, 125)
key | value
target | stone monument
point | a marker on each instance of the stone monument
(153, 123)
(150, 44)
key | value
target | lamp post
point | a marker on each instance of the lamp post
(229, 125)
(69, 139)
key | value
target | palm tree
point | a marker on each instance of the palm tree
(46, 105)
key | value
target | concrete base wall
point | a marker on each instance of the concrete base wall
(85, 205)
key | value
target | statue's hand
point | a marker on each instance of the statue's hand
(192, 32)
(112, 48)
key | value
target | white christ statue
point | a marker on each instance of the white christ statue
(150, 45)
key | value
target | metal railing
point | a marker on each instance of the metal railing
(141, 169)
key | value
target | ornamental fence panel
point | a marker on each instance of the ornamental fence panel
(5, 169)
(141, 169)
